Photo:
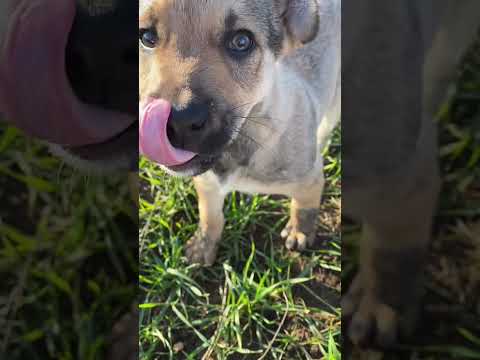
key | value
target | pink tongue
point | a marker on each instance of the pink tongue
(35, 93)
(154, 142)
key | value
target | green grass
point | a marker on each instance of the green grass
(258, 301)
(66, 259)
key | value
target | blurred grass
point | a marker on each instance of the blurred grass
(66, 259)
(258, 301)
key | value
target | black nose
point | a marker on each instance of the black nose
(102, 57)
(185, 127)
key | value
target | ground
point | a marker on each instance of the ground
(258, 300)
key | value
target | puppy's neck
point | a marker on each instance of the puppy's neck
(288, 91)
(277, 112)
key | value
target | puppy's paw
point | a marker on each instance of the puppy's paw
(299, 233)
(200, 249)
(372, 323)
(124, 339)
(380, 308)
(295, 239)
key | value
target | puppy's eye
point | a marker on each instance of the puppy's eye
(241, 42)
(148, 38)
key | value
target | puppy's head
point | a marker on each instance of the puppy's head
(213, 61)
(102, 67)
(68, 76)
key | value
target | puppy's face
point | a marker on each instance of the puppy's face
(213, 61)
(74, 65)
(102, 67)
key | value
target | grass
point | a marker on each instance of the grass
(67, 267)
(258, 301)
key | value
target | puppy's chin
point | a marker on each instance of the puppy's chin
(217, 150)
(209, 157)
(122, 163)
(119, 154)
(197, 166)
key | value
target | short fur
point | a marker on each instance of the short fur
(271, 113)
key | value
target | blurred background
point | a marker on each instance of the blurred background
(69, 239)
(452, 305)
(68, 254)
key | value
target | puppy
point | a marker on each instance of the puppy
(242, 95)
(399, 59)
(68, 75)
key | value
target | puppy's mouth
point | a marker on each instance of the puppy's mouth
(198, 165)
(155, 144)
(118, 149)
(38, 97)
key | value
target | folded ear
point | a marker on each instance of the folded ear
(301, 19)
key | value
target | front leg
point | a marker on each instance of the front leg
(301, 228)
(383, 301)
(124, 338)
(202, 247)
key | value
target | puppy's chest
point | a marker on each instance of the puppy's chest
(253, 181)
(263, 174)
(243, 181)
(246, 176)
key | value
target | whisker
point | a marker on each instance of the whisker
(253, 120)
(256, 142)
(241, 134)
(232, 110)
(260, 146)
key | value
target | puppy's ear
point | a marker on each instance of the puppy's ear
(301, 19)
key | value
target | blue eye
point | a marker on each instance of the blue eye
(148, 38)
(241, 42)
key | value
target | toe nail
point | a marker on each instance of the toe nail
(301, 241)
(290, 243)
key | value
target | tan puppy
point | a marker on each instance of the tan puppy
(254, 90)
